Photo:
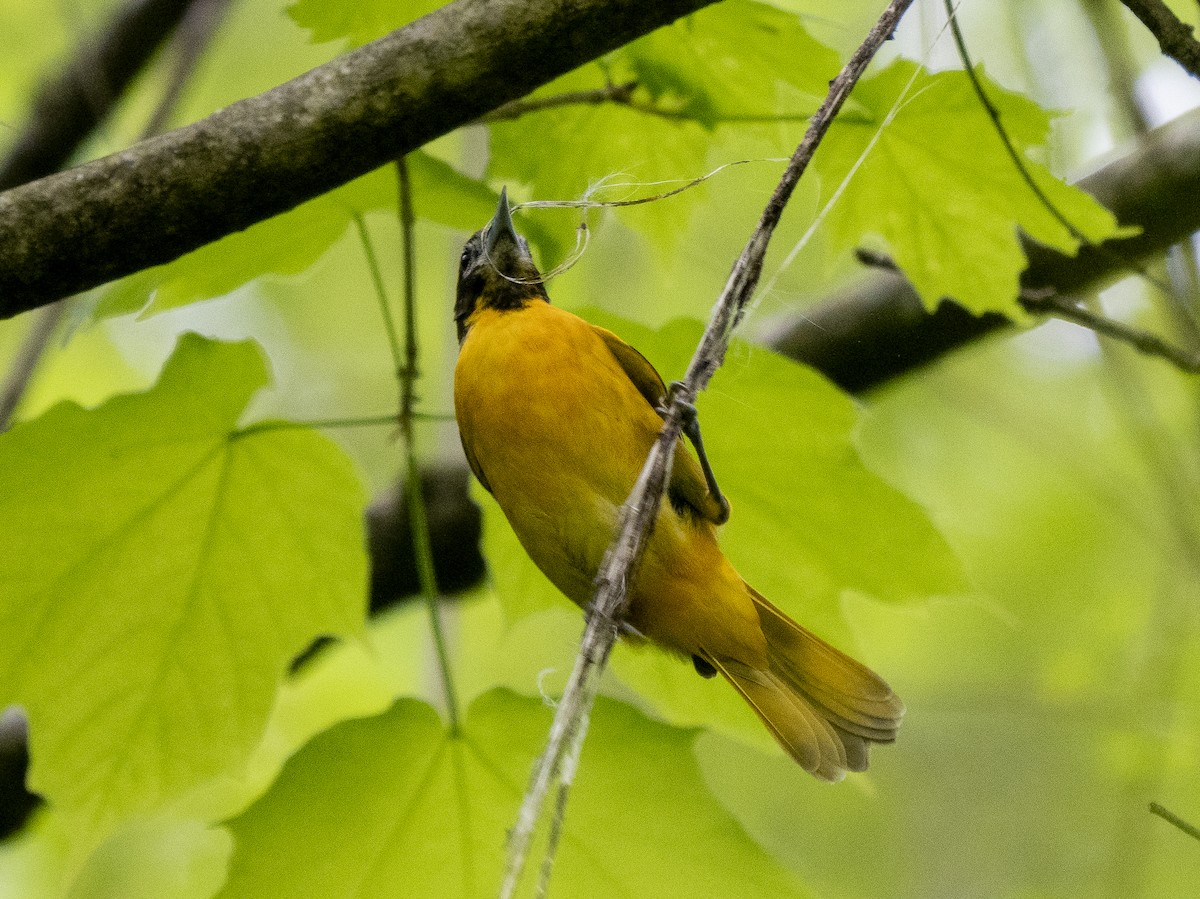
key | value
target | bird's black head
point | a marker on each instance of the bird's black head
(496, 270)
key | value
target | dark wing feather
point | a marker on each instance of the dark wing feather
(687, 480)
(475, 466)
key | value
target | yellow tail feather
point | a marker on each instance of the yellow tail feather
(823, 707)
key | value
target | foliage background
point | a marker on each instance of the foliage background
(1010, 535)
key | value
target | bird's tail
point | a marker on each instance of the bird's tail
(823, 707)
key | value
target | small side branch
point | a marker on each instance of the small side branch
(1190, 829)
(640, 510)
(1143, 341)
(1175, 38)
(1045, 301)
(621, 95)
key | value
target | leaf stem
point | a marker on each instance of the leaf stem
(366, 421)
(385, 311)
(408, 372)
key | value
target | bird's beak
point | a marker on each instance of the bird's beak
(501, 234)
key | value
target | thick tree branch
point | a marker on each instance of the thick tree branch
(1175, 38)
(266, 154)
(877, 330)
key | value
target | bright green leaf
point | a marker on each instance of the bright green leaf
(160, 571)
(734, 60)
(579, 146)
(810, 521)
(939, 187)
(394, 805)
(357, 22)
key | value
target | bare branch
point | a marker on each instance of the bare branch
(641, 508)
(1175, 38)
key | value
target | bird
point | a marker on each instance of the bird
(556, 417)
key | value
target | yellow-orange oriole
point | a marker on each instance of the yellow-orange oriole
(556, 417)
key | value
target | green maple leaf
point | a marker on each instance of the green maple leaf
(936, 183)
(396, 805)
(160, 571)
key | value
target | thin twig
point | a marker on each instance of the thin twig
(417, 513)
(193, 37)
(625, 95)
(610, 93)
(1190, 829)
(1001, 131)
(1045, 301)
(1142, 341)
(25, 364)
(1175, 38)
(366, 421)
(640, 510)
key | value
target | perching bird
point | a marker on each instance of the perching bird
(557, 417)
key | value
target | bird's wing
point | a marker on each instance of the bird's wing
(637, 367)
(475, 466)
(687, 480)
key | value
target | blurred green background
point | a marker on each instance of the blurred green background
(1049, 702)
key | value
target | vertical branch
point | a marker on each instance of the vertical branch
(641, 508)
(408, 372)
(25, 364)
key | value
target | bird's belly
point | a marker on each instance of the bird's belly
(560, 434)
